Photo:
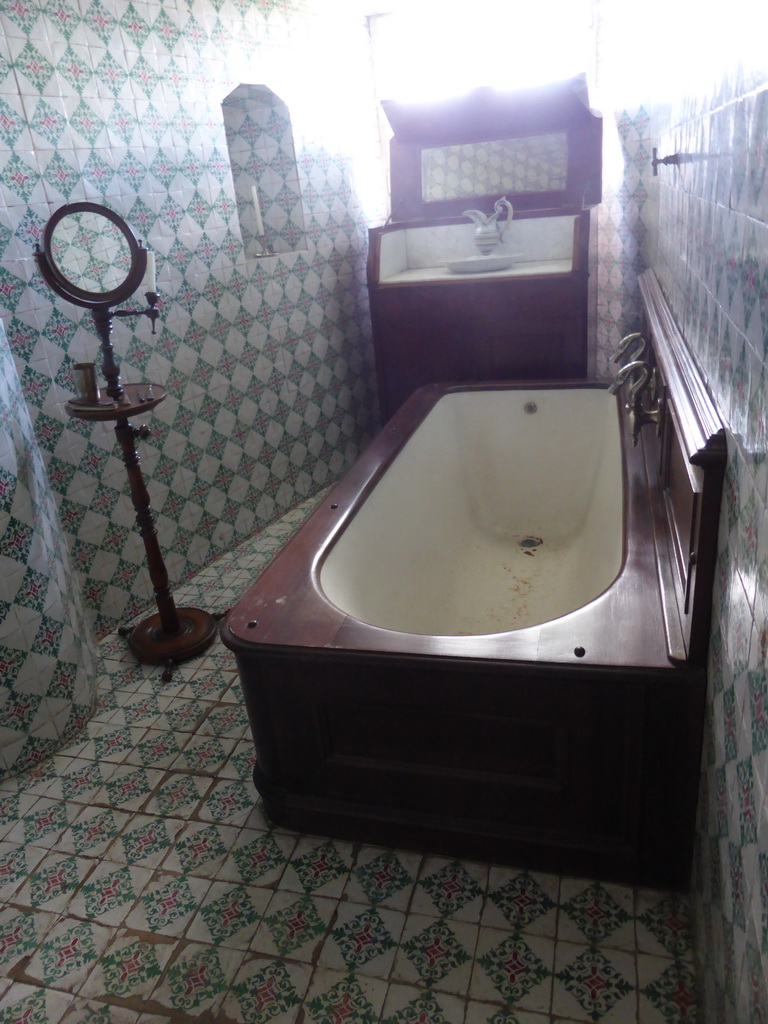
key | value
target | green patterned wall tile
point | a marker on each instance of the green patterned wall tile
(173, 182)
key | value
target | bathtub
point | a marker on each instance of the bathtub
(504, 510)
(471, 648)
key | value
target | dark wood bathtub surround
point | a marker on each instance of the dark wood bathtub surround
(571, 747)
(488, 326)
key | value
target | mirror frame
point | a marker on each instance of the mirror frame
(486, 114)
(67, 289)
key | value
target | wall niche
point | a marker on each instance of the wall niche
(266, 179)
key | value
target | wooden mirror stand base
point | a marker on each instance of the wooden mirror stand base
(153, 645)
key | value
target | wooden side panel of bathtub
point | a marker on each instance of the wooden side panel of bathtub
(685, 470)
(576, 772)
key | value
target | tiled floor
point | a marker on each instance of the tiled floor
(141, 883)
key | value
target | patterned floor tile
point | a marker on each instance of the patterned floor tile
(168, 904)
(92, 1011)
(663, 924)
(21, 931)
(197, 980)
(594, 984)
(201, 849)
(257, 857)
(233, 693)
(667, 991)
(157, 749)
(183, 715)
(337, 996)
(145, 840)
(118, 666)
(107, 743)
(363, 939)
(260, 820)
(171, 690)
(514, 968)
(218, 656)
(93, 831)
(42, 780)
(129, 788)
(54, 881)
(522, 901)
(109, 892)
(451, 888)
(487, 1013)
(81, 780)
(178, 795)
(207, 685)
(596, 912)
(318, 866)
(144, 709)
(204, 755)
(107, 710)
(44, 824)
(406, 1005)
(14, 807)
(229, 720)
(267, 990)
(68, 954)
(16, 863)
(228, 802)
(241, 761)
(436, 953)
(293, 926)
(383, 877)
(229, 915)
(129, 968)
(33, 1005)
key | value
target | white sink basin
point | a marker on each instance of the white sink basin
(482, 264)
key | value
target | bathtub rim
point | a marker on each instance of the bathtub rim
(286, 606)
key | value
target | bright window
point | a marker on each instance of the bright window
(424, 51)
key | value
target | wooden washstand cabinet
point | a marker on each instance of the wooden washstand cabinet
(541, 149)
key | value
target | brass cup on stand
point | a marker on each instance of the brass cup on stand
(87, 390)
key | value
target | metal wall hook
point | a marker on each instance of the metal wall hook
(674, 159)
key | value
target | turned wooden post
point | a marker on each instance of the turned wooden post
(127, 435)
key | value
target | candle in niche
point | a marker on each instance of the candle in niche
(150, 283)
(257, 211)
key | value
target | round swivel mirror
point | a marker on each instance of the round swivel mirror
(90, 256)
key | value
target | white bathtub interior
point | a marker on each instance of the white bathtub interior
(491, 518)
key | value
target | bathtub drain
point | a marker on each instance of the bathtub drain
(530, 542)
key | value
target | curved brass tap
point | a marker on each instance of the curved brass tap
(635, 376)
(628, 372)
(636, 342)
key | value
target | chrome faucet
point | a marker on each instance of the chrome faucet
(639, 379)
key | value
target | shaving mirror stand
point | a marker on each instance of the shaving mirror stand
(90, 257)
